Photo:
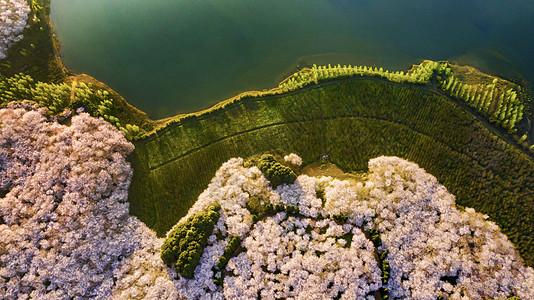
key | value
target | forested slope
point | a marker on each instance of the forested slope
(352, 121)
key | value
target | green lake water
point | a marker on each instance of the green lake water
(175, 56)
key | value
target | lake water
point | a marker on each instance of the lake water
(174, 56)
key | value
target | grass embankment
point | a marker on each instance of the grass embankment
(352, 121)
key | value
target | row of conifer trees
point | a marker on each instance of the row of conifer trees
(420, 74)
(499, 105)
(497, 102)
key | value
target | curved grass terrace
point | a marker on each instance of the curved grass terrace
(371, 117)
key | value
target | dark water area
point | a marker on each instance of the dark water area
(175, 56)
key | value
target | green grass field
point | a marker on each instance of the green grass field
(352, 121)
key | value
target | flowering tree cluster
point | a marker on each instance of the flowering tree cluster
(64, 224)
(344, 235)
(298, 257)
(66, 232)
(434, 248)
(13, 19)
(293, 159)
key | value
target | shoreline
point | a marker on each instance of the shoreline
(129, 114)
(136, 116)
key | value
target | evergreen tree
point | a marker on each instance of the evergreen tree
(275, 172)
(450, 81)
(454, 85)
(185, 244)
(478, 102)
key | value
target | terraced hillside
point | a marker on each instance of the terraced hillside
(352, 121)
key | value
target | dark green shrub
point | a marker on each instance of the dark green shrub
(275, 172)
(385, 271)
(348, 238)
(184, 246)
(375, 237)
(255, 218)
(290, 209)
(340, 218)
(218, 281)
(293, 210)
(255, 207)
(232, 247)
(221, 263)
(319, 193)
(269, 209)
(259, 210)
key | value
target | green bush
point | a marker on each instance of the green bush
(256, 208)
(340, 218)
(184, 246)
(375, 237)
(275, 172)
(221, 263)
(385, 271)
(293, 210)
(232, 247)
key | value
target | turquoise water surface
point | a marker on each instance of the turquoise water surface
(174, 56)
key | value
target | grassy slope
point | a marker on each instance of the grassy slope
(352, 121)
